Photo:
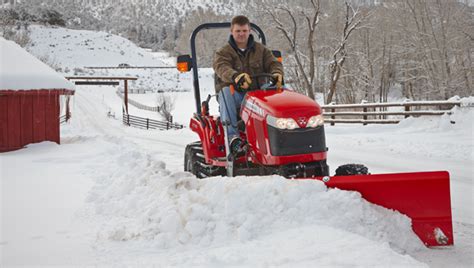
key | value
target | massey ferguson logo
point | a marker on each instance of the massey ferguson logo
(302, 121)
(254, 108)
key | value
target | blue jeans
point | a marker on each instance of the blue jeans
(228, 104)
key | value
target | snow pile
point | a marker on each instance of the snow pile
(459, 117)
(140, 199)
(19, 70)
(459, 121)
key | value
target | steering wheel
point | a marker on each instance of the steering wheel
(261, 81)
(264, 81)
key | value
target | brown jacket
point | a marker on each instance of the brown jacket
(230, 61)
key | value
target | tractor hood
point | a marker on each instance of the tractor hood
(284, 103)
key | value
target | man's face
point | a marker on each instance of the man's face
(241, 34)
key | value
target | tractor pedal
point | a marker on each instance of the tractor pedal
(236, 145)
(238, 148)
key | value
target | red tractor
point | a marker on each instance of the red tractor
(284, 134)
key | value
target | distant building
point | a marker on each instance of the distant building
(31, 97)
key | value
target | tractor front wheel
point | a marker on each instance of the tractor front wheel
(191, 158)
(352, 169)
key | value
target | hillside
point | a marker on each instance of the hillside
(149, 23)
(62, 47)
(70, 51)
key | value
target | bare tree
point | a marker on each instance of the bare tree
(303, 56)
(207, 42)
(353, 19)
(165, 103)
(435, 48)
(369, 71)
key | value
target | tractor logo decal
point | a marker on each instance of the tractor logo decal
(302, 121)
(254, 108)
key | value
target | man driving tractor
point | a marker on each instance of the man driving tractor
(284, 135)
(234, 64)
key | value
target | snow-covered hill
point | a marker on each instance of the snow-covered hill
(150, 22)
(70, 51)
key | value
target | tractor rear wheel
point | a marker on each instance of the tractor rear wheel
(352, 169)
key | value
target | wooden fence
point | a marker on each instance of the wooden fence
(139, 105)
(379, 113)
(140, 122)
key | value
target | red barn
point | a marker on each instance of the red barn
(30, 96)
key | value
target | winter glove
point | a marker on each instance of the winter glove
(278, 79)
(243, 81)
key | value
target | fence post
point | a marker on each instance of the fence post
(147, 122)
(407, 109)
(125, 87)
(365, 116)
(128, 119)
(167, 125)
(333, 117)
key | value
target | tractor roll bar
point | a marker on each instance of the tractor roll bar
(205, 26)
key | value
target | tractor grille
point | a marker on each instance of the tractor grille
(296, 141)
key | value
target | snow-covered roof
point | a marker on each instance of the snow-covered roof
(19, 70)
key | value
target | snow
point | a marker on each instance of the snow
(61, 46)
(215, 211)
(112, 195)
(117, 196)
(70, 51)
(19, 70)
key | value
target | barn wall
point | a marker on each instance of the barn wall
(3, 123)
(28, 118)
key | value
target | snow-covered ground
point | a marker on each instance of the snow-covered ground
(112, 195)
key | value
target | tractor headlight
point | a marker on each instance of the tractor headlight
(282, 123)
(315, 121)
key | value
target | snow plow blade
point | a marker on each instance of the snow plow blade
(422, 196)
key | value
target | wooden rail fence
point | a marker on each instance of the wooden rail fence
(139, 105)
(140, 122)
(378, 113)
